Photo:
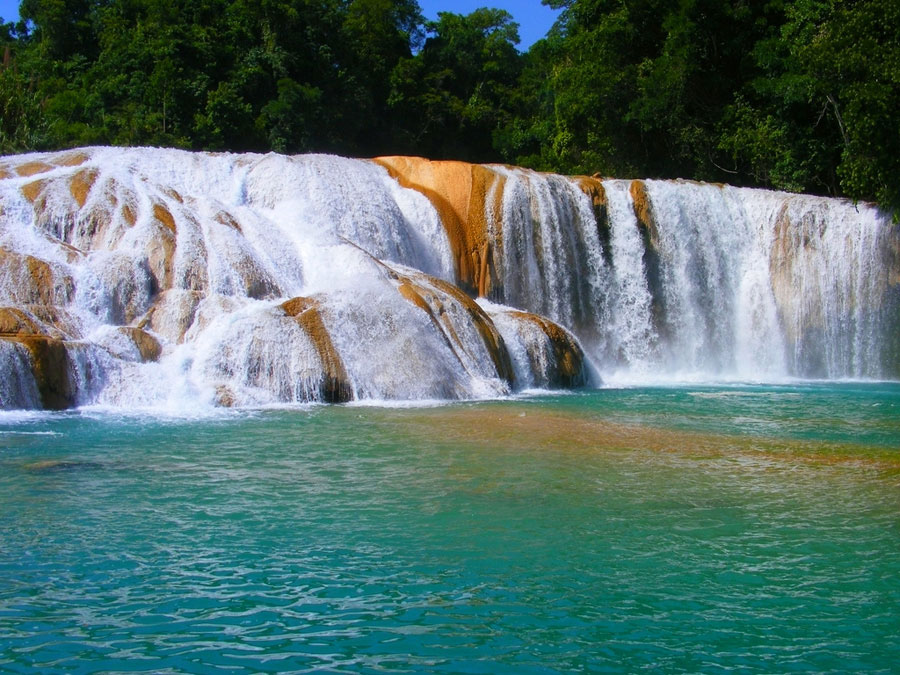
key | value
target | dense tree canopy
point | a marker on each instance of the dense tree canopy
(453, 93)
(791, 94)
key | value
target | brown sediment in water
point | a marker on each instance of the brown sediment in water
(526, 428)
(53, 465)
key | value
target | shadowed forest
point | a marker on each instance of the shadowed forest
(800, 95)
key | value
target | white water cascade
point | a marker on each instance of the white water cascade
(724, 284)
(170, 280)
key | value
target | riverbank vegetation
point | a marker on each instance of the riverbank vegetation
(799, 95)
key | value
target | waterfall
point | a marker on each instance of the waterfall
(763, 285)
(166, 279)
(678, 280)
(162, 279)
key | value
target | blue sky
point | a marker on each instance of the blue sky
(534, 19)
(9, 10)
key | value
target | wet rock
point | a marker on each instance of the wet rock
(649, 229)
(33, 168)
(335, 386)
(566, 367)
(52, 369)
(434, 296)
(469, 199)
(29, 280)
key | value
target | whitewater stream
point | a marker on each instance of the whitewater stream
(150, 278)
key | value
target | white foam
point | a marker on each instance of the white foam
(245, 233)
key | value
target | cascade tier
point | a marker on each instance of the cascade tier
(164, 279)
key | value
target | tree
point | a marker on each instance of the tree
(639, 87)
(593, 76)
(848, 57)
(525, 138)
(454, 93)
(822, 115)
(378, 34)
(790, 94)
(21, 121)
(62, 27)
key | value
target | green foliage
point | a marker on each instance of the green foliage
(453, 94)
(291, 75)
(853, 62)
(21, 121)
(640, 86)
(289, 120)
(22, 124)
(62, 27)
(822, 114)
(789, 94)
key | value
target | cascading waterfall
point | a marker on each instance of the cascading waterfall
(627, 336)
(160, 278)
(762, 285)
(710, 282)
(164, 279)
(718, 314)
(834, 270)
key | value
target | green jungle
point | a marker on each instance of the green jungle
(798, 95)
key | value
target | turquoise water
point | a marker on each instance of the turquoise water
(710, 529)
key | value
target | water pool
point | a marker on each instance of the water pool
(690, 528)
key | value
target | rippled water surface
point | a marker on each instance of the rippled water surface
(688, 529)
